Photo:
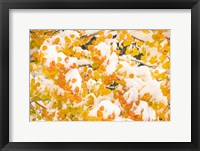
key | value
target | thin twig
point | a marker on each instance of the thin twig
(32, 107)
(83, 36)
(54, 33)
(168, 57)
(138, 38)
(152, 66)
(89, 65)
(35, 110)
(132, 59)
(31, 101)
(40, 105)
(143, 63)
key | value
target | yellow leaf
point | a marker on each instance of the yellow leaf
(162, 58)
(126, 43)
(135, 52)
(153, 60)
(140, 43)
(128, 50)
(144, 58)
(144, 51)
(166, 65)
(166, 48)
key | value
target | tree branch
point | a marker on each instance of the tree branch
(89, 65)
(151, 66)
(38, 104)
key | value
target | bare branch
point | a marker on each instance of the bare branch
(34, 109)
(89, 65)
(38, 104)
(138, 38)
(151, 66)
(54, 33)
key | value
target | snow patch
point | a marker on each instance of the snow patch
(153, 87)
(109, 108)
(105, 49)
(113, 62)
(148, 114)
(90, 32)
(83, 62)
(131, 95)
(71, 74)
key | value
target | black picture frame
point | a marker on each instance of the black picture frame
(5, 5)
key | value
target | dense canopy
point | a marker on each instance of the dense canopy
(99, 75)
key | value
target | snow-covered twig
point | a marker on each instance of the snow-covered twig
(151, 66)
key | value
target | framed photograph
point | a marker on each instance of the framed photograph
(99, 75)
